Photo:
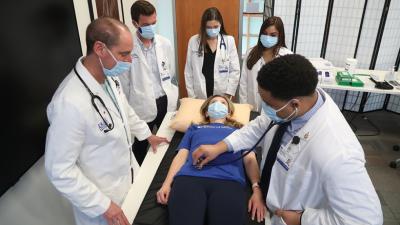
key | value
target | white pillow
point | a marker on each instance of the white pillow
(189, 112)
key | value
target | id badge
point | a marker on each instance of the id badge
(223, 68)
(165, 76)
(284, 158)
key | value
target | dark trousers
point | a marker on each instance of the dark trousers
(140, 147)
(199, 201)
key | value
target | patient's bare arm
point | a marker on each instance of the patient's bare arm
(256, 204)
(177, 163)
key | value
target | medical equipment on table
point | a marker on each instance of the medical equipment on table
(351, 65)
(381, 85)
(391, 75)
(347, 79)
(324, 69)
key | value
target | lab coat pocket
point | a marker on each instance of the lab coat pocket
(118, 188)
(300, 178)
(297, 187)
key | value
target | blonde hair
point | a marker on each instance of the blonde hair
(231, 109)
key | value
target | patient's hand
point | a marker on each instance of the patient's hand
(163, 194)
(256, 205)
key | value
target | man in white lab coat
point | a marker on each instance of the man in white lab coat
(151, 85)
(88, 154)
(313, 165)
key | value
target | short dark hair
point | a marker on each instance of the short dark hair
(106, 30)
(141, 7)
(288, 76)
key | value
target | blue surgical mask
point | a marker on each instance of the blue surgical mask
(217, 110)
(272, 113)
(119, 68)
(268, 41)
(147, 32)
(213, 32)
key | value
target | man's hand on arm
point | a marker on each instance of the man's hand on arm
(115, 216)
(155, 141)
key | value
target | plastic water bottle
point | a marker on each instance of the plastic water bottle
(390, 75)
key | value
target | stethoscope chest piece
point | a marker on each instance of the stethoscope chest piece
(94, 99)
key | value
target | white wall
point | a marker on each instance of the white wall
(311, 27)
(345, 24)
(83, 20)
(165, 19)
(286, 10)
(369, 32)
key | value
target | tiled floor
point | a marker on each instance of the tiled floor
(379, 152)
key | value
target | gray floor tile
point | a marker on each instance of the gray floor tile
(378, 154)
(390, 222)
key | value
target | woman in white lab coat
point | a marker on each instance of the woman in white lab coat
(212, 63)
(317, 175)
(271, 44)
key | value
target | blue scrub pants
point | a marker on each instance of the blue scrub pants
(199, 201)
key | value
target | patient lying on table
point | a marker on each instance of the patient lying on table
(216, 193)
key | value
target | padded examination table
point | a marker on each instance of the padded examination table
(140, 205)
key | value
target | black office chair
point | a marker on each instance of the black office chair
(395, 163)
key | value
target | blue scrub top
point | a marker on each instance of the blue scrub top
(211, 134)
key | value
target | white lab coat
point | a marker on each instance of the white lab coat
(90, 167)
(138, 86)
(226, 68)
(248, 86)
(327, 177)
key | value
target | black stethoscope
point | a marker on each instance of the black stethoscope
(295, 140)
(221, 43)
(95, 98)
(224, 56)
(271, 124)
